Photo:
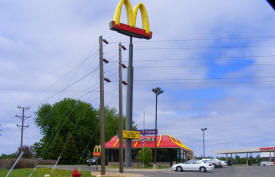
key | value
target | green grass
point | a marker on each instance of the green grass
(40, 172)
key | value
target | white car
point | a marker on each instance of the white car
(266, 163)
(193, 165)
(223, 163)
(216, 162)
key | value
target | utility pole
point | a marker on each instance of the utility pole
(102, 118)
(203, 146)
(157, 91)
(120, 66)
(22, 126)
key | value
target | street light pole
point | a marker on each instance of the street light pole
(203, 145)
(157, 91)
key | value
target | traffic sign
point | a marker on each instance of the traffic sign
(148, 131)
(131, 134)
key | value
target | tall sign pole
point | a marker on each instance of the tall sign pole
(130, 30)
(129, 105)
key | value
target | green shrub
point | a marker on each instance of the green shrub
(145, 155)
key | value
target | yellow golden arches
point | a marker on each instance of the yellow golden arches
(116, 142)
(129, 11)
(178, 142)
(97, 148)
(144, 17)
(132, 14)
(159, 140)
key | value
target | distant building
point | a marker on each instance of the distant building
(267, 154)
(169, 149)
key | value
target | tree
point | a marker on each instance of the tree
(27, 152)
(68, 126)
(145, 155)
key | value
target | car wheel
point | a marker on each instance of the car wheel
(215, 166)
(88, 164)
(203, 169)
(179, 169)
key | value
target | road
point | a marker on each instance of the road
(237, 171)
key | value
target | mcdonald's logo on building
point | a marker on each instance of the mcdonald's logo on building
(130, 29)
(97, 151)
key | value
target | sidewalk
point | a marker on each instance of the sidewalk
(136, 170)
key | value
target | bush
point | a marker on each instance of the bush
(145, 156)
(46, 162)
(24, 163)
(27, 152)
(9, 156)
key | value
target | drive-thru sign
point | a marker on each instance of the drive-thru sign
(131, 134)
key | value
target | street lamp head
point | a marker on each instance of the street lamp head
(203, 129)
(105, 41)
(157, 90)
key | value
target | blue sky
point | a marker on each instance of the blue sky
(213, 59)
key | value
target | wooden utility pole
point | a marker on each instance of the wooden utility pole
(102, 118)
(22, 126)
(120, 65)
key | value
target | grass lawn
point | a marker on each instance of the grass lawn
(40, 172)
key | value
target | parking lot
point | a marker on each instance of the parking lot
(236, 171)
(239, 171)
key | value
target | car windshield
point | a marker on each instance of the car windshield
(206, 161)
(196, 162)
(189, 162)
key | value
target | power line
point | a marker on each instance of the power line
(72, 84)
(209, 39)
(193, 65)
(201, 39)
(203, 79)
(66, 74)
(202, 58)
(201, 47)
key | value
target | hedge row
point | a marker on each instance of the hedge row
(24, 163)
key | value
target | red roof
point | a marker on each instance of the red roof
(163, 141)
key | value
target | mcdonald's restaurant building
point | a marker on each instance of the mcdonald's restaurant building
(169, 149)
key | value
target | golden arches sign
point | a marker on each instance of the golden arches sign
(97, 151)
(132, 14)
(130, 28)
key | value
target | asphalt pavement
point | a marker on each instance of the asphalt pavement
(236, 171)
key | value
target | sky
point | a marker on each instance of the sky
(214, 60)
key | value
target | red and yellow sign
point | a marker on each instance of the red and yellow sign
(97, 151)
(131, 134)
(130, 29)
(267, 149)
